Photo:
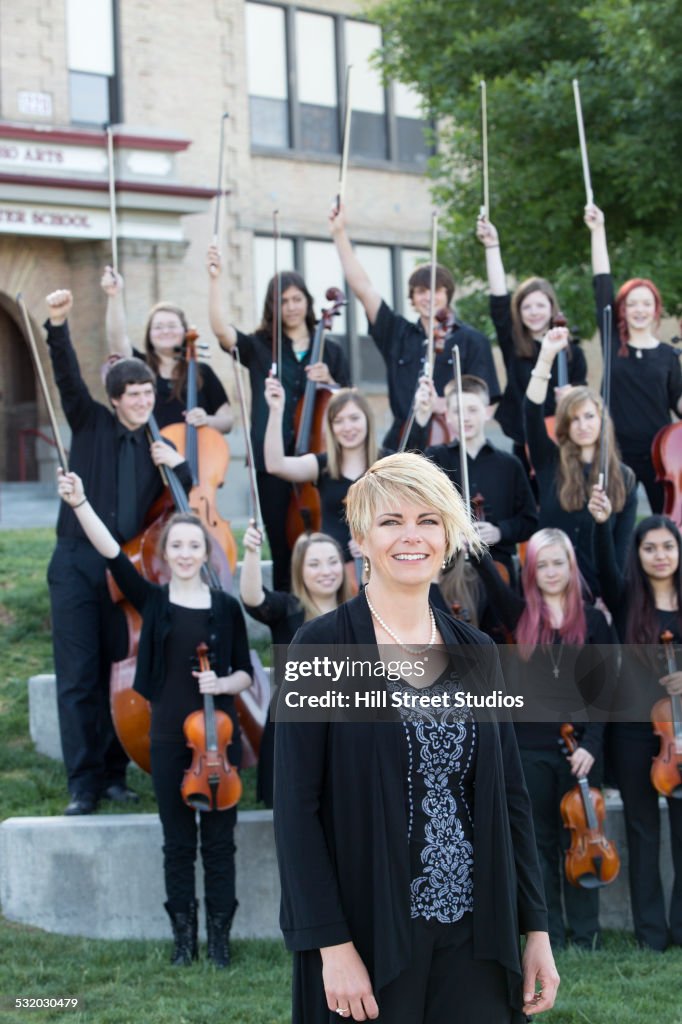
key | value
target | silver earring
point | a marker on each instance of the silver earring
(444, 564)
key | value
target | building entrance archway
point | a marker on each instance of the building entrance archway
(18, 404)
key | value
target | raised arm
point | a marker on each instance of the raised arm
(70, 487)
(355, 273)
(594, 218)
(251, 578)
(489, 239)
(116, 329)
(553, 342)
(298, 469)
(224, 332)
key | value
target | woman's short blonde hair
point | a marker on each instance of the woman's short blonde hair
(414, 479)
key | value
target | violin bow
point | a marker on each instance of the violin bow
(485, 207)
(589, 195)
(219, 187)
(428, 361)
(112, 199)
(256, 513)
(345, 142)
(606, 325)
(276, 367)
(30, 337)
(463, 465)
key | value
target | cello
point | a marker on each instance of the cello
(304, 515)
(666, 455)
(592, 861)
(666, 716)
(211, 783)
(208, 455)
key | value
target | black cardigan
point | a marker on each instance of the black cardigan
(341, 832)
(227, 639)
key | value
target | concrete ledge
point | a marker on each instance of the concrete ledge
(101, 877)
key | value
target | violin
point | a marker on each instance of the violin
(666, 455)
(666, 716)
(592, 861)
(130, 711)
(304, 515)
(210, 782)
(208, 455)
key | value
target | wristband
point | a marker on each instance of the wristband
(83, 502)
(542, 376)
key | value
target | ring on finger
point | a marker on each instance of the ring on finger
(341, 1011)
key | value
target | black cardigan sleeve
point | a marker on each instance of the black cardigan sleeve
(131, 583)
(541, 447)
(505, 602)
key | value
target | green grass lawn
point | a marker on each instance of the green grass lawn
(125, 982)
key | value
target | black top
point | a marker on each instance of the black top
(341, 830)
(96, 435)
(639, 686)
(565, 681)
(519, 368)
(332, 505)
(645, 386)
(403, 347)
(181, 694)
(281, 612)
(227, 639)
(169, 408)
(255, 352)
(501, 479)
(579, 525)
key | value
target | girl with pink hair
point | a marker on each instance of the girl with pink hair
(646, 378)
(553, 628)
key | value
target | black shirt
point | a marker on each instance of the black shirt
(579, 525)
(95, 440)
(519, 368)
(281, 612)
(169, 408)
(403, 347)
(645, 386)
(255, 352)
(332, 505)
(501, 479)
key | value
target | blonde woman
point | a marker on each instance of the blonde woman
(405, 846)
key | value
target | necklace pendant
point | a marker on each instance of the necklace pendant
(555, 670)
(638, 353)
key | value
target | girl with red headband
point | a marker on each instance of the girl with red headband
(646, 379)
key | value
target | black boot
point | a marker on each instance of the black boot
(185, 935)
(218, 933)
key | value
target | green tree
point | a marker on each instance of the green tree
(625, 55)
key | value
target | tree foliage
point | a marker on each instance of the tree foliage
(624, 53)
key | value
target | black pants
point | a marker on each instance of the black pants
(632, 748)
(83, 626)
(169, 761)
(274, 495)
(548, 776)
(643, 468)
(442, 985)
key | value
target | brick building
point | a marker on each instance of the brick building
(163, 74)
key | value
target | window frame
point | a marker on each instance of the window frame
(294, 151)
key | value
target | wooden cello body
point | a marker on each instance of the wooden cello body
(666, 455)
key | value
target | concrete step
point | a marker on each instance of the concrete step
(101, 877)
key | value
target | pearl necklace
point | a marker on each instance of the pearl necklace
(409, 650)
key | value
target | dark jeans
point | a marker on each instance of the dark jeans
(84, 624)
(274, 495)
(632, 748)
(548, 776)
(169, 761)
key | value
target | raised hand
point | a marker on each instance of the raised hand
(59, 305)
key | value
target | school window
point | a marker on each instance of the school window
(90, 45)
(388, 267)
(296, 72)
